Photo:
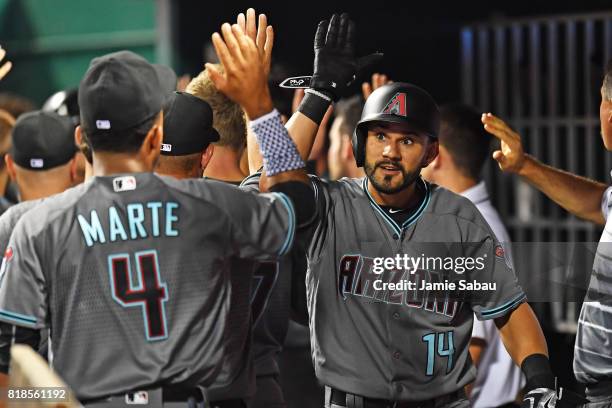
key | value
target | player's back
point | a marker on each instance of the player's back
(136, 279)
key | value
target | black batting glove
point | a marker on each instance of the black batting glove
(335, 64)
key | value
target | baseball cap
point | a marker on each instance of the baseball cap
(187, 125)
(122, 90)
(42, 140)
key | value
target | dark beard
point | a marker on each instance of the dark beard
(408, 178)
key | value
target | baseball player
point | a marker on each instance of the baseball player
(590, 200)
(186, 153)
(134, 290)
(42, 161)
(376, 345)
(263, 305)
(464, 147)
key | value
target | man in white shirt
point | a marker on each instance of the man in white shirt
(464, 147)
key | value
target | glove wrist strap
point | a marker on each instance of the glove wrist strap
(314, 105)
(538, 373)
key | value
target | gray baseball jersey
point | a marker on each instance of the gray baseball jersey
(246, 339)
(270, 305)
(131, 274)
(9, 219)
(592, 356)
(390, 342)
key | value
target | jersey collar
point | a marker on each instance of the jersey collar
(415, 213)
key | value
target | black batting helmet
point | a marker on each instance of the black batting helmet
(400, 103)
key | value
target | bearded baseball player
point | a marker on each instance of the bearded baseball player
(121, 265)
(376, 343)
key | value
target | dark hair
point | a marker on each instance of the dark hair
(463, 135)
(350, 111)
(607, 82)
(184, 165)
(122, 141)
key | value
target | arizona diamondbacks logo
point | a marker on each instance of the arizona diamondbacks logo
(397, 105)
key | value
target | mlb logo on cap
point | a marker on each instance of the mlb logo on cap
(166, 147)
(103, 124)
(37, 163)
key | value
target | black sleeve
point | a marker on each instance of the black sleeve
(303, 199)
(10, 334)
(299, 265)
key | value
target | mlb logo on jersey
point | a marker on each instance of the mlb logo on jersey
(137, 398)
(125, 183)
(397, 105)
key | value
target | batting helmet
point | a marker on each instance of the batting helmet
(400, 103)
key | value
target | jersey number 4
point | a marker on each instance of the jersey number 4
(445, 348)
(149, 293)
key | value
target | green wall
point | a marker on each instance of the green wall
(52, 41)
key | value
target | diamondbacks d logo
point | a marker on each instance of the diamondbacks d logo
(397, 105)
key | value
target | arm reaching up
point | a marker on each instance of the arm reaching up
(578, 195)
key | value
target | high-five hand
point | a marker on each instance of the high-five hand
(243, 78)
(511, 157)
(261, 33)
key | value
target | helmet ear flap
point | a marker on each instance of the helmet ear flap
(359, 136)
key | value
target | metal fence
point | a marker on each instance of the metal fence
(543, 76)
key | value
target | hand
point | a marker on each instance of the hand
(378, 80)
(335, 64)
(6, 67)
(244, 79)
(540, 398)
(511, 157)
(262, 35)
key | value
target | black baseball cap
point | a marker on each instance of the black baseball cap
(187, 125)
(42, 140)
(122, 90)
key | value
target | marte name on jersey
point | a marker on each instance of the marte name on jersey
(134, 221)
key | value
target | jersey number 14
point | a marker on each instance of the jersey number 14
(443, 344)
(149, 293)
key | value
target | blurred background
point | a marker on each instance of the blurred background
(537, 64)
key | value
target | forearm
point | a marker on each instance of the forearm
(578, 195)
(521, 334)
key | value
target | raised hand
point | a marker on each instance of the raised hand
(335, 64)
(511, 157)
(378, 80)
(6, 67)
(243, 78)
(261, 33)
